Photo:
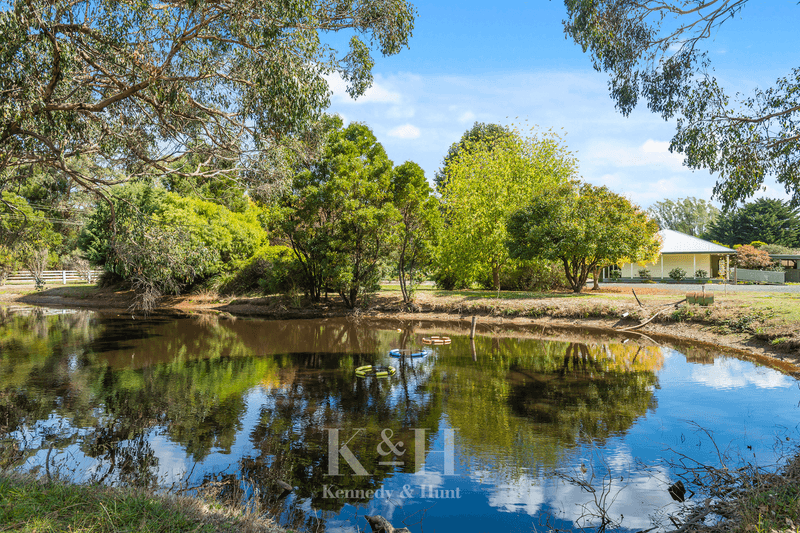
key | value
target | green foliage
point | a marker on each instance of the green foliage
(136, 85)
(273, 269)
(701, 274)
(420, 226)
(487, 181)
(644, 273)
(24, 232)
(480, 132)
(615, 274)
(654, 51)
(583, 227)
(163, 243)
(339, 216)
(678, 274)
(766, 220)
(535, 275)
(776, 249)
(686, 215)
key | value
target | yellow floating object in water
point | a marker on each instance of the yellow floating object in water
(435, 339)
(375, 371)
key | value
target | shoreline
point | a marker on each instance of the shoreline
(559, 316)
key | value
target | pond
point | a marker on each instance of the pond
(503, 434)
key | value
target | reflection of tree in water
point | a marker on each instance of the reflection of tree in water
(524, 403)
(292, 440)
(589, 397)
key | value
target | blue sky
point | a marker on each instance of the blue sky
(509, 62)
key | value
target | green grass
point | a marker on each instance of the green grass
(30, 505)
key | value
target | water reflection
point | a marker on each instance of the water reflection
(247, 404)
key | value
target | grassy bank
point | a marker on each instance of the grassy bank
(32, 505)
(765, 323)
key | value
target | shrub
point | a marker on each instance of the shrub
(615, 274)
(677, 273)
(533, 276)
(701, 274)
(758, 244)
(271, 270)
(644, 273)
(752, 258)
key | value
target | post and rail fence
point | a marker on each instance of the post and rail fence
(63, 277)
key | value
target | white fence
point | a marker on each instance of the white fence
(761, 276)
(53, 276)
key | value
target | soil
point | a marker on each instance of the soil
(556, 315)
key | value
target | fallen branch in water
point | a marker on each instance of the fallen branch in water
(380, 525)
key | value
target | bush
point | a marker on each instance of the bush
(752, 258)
(531, 276)
(644, 273)
(271, 270)
(701, 274)
(447, 280)
(677, 273)
(615, 274)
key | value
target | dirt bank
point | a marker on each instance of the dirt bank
(761, 327)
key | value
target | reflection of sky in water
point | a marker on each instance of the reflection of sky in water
(739, 403)
(728, 374)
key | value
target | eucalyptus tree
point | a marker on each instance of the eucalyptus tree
(134, 86)
(657, 51)
(583, 227)
(690, 215)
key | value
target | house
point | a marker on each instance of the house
(689, 253)
(790, 264)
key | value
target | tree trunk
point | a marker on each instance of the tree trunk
(496, 276)
(596, 275)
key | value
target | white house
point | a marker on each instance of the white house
(689, 253)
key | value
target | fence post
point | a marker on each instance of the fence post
(64, 277)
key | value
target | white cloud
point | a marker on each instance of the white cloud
(406, 131)
(400, 112)
(621, 154)
(378, 93)
(466, 116)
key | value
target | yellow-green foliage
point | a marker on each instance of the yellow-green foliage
(487, 181)
(235, 236)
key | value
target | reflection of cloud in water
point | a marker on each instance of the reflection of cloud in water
(635, 495)
(733, 374)
(171, 459)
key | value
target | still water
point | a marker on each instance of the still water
(499, 435)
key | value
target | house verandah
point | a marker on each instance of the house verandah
(679, 250)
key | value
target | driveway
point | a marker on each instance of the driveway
(690, 287)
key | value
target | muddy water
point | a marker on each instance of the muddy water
(503, 434)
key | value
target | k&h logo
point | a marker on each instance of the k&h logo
(392, 452)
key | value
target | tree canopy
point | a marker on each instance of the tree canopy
(489, 179)
(767, 220)
(339, 216)
(583, 227)
(137, 85)
(687, 215)
(420, 223)
(479, 132)
(654, 50)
